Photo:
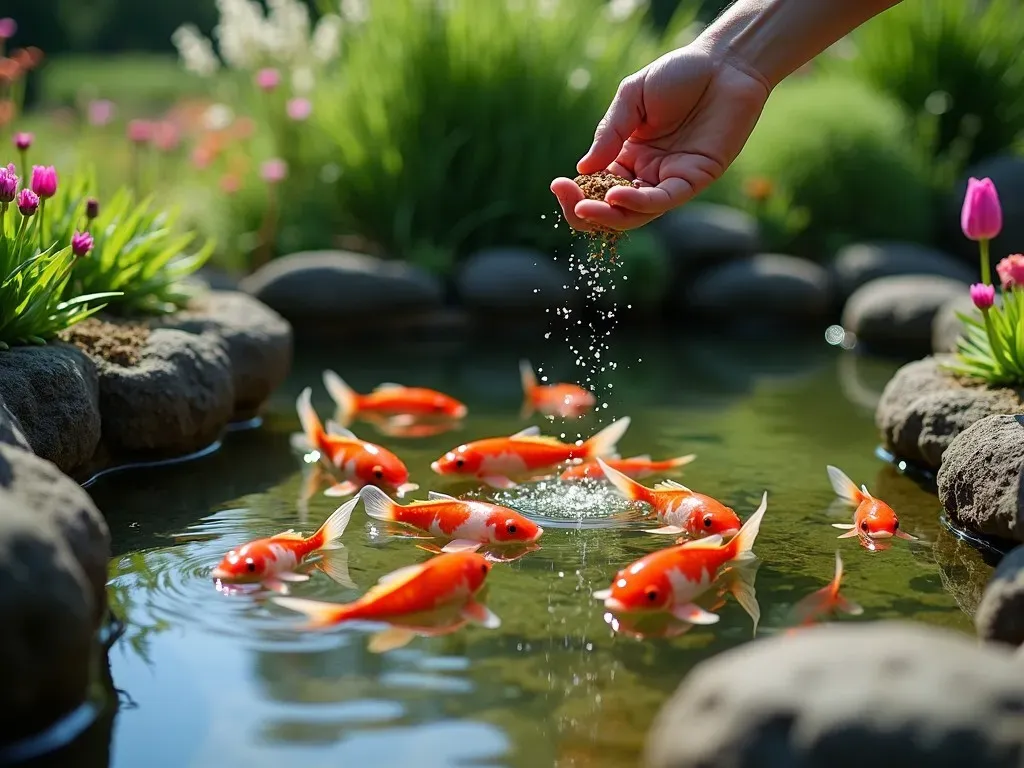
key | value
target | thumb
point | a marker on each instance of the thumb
(624, 115)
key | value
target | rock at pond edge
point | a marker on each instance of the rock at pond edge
(1000, 615)
(860, 263)
(767, 285)
(513, 280)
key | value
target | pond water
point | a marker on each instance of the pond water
(208, 679)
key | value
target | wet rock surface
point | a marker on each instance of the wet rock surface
(979, 481)
(792, 701)
(707, 232)
(511, 280)
(860, 263)
(768, 285)
(1000, 615)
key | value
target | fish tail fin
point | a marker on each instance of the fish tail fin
(742, 543)
(344, 397)
(377, 503)
(335, 525)
(311, 424)
(320, 614)
(842, 603)
(681, 461)
(527, 377)
(743, 590)
(625, 485)
(843, 486)
(605, 442)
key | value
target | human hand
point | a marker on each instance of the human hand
(673, 127)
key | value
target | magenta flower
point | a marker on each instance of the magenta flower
(268, 79)
(981, 217)
(8, 185)
(92, 208)
(28, 202)
(140, 131)
(166, 136)
(23, 141)
(1011, 271)
(274, 171)
(983, 296)
(81, 243)
(44, 181)
(8, 27)
(299, 109)
(100, 112)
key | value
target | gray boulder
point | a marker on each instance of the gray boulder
(947, 328)
(1000, 615)
(979, 481)
(257, 340)
(513, 280)
(53, 394)
(54, 548)
(923, 408)
(860, 263)
(886, 694)
(698, 233)
(10, 429)
(895, 314)
(175, 401)
(1007, 171)
(768, 284)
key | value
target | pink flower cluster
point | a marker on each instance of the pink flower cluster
(43, 185)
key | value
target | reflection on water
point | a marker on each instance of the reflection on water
(225, 677)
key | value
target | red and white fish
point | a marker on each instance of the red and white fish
(873, 519)
(637, 467)
(358, 462)
(563, 400)
(496, 460)
(272, 561)
(449, 580)
(391, 399)
(826, 601)
(672, 579)
(468, 524)
(682, 511)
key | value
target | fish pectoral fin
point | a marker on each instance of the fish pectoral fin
(694, 614)
(275, 585)
(848, 534)
(405, 488)
(437, 496)
(334, 428)
(478, 613)
(461, 545)
(335, 565)
(293, 577)
(671, 485)
(384, 386)
(431, 548)
(528, 432)
(601, 594)
(904, 535)
(346, 488)
(844, 526)
(390, 639)
(496, 481)
(666, 530)
(300, 442)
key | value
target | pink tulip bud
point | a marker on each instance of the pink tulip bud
(299, 109)
(92, 208)
(981, 217)
(140, 131)
(28, 202)
(23, 141)
(8, 185)
(1011, 271)
(274, 171)
(44, 181)
(8, 27)
(81, 243)
(983, 296)
(268, 79)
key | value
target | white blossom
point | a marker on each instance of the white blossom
(326, 38)
(355, 11)
(195, 50)
(303, 80)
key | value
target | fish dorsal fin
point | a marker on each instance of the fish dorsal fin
(528, 432)
(389, 582)
(643, 457)
(539, 440)
(866, 492)
(708, 542)
(386, 385)
(671, 485)
(334, 428)
(289, 535)
(437, 496)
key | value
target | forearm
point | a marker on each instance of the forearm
(777, 37)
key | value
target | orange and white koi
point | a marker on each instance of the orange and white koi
(467, 523)
(564, 400)
(873, 519)
(447, 580)
(496, 460)
(358, 462)
(272, 561)
(682, 511)
(637, 467)
(826, 601)
(672, 579)
(391, 399)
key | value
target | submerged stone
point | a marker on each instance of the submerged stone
(1000, 615)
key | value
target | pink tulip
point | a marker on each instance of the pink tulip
(166, 136)
(23, 141)
(8, 27)
(268, 79)
(92, 208)
(983, 296)
(8, 185)
(1011, 271)
(101, 112)
(28, 202)
(274, 171)
(299, 109)
(981, 217)
(81, 243)
(140, 131)
(44, 181)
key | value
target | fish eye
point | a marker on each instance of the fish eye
(864, 526)
(651, 593)
(460, 463)
(510, 526)
(378, 472)
(250, 565)
(484, 568)
(707, 521)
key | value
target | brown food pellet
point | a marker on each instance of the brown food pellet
(119, 343)
(596, 185)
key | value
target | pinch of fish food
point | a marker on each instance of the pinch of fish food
(596, 185)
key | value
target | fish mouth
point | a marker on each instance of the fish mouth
(460, 412)
(728, 532)
(615, 605)
(880, 535)
(220, 574)
(538, 534)
(436, 467)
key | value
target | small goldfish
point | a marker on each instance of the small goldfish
(391, 399)
(873, 519)
(273, 561)
(826, 601)
(358, 461)
(564, 400)
(496, 460)
(637, 467)
(447, 580)
(672, 579)
(467, 523)
(681, 510)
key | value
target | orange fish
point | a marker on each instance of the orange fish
(681, 510)
(448, 580)
(564, 400)
(826, 601)
(273, 561)
(873, 519)
(672, 579)
(497, 459)
(391, 399)
(359, 462)
(636, 468)
(467, 523)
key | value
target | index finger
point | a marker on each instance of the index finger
(669, 194)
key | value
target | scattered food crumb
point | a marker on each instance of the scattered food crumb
(118, 343)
